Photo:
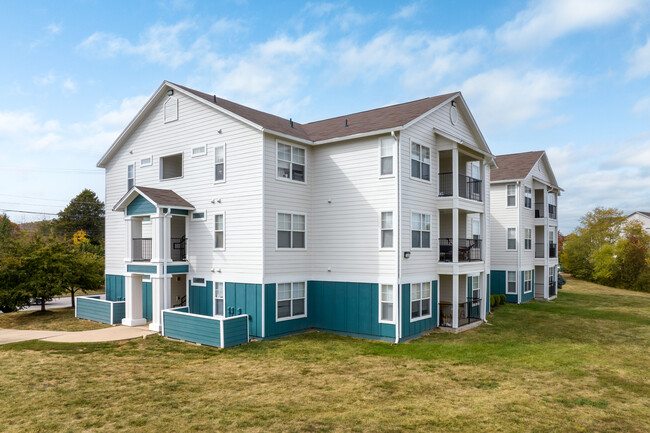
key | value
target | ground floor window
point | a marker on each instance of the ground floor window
(291, 300)
(528, 281)
(511, 287)
(219, 299)
(476, 290)
(420, 300)
(386, 303)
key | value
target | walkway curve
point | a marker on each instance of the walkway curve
(114, 333)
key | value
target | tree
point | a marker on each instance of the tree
(12, 296)
(8, 232)
(85, 271)
(44, 269)
(84, 212)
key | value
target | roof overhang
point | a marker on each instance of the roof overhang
(135, 192)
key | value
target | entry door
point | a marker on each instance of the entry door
(146, 300)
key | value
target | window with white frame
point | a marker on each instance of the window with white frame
(476, 229)
(420, 300)
(130, 176)
(476, 287)
(387, 230)
(199, 151)
(198, 281)
(219, 231)
(220, 163)
(291, 299)
(171, 166)
(386, 303)
(291, 162)
(511, 238)
(198, 215)
(528, 281)
(219, 299)
(420, 230)
(511, 195)
(171, 109)
(146, 162)
(511, 285)
(528, 239)
(420, 162)
(291, 230)
(528, 197)
(387, 150)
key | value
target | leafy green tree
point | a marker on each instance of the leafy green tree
(576, 257)
(84, 212)
(85, 272)
(12, 296)
(44, 269)
(606, 270)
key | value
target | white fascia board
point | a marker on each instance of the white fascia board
(287, 136)
(474, 124)
(360, 135)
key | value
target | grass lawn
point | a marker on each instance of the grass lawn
(55, 319)
(580, 363)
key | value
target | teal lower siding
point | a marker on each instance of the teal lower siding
(235, 331)
(414, 329)
(146, 301)
(92, 308)
(115, 287)
(200, 300)
(498, 285)
(244, 298)
(119, 312)
(203, 330)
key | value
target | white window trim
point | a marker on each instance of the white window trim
(284, 319)
(215, 163)
(127, 174)
(417, 319)
(203, 284)
(393, 147)
(531, 240)
(165, 120)
(507, 283)
(150, 158)
(516, 200)
(214, 230)
(203, 211)
(160, 166)
(392, 321)
(214, 298)
(430, 231)
(277, 228)
(516, 240)
(478, 278)
(204, 152)
(430, 163)
(531, 281)
(381, 229)
(289, 179)
(532, 197)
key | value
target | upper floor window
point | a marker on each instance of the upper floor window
(387, 150)
(528, 281)
(528, 197)
(420, 300)
(420, 162)
(291, 230)
(291, 162)
(146, 162)
(386, 303)
(387, 230)
(511, 193)
(512, 238)
(199, 151)
(511, 286)
(420, 230)
(171, 109)
(220, 163)
(291, 299)
(171, 166)
(219, 231)
(130, 176)
(528, 239)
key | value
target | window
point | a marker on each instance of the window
(198, 215)
(196, 281)
(551, 199)
(512, 239)
(291, 230)
(171, 167)
(420, 230)
(511, 287)
(291, 162)
(219, 299)
(291, 300)
(170, 110)
(528, 281)
(476, 169)
(476, 229)
(387, 147)
(476, 290)
(386, 303)
(511, 192)
(387, 230)
(528, 239)
(199, 151)
(219, 232)
(528, 197)
(420, 300)
(146, 162)
(130, 176)
(220, 163)
(420, 162)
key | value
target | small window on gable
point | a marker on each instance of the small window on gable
(146, 162)
(171, 166)
(199, 151)
(171, 109)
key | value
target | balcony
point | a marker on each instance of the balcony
(468, 187)
(141, 249)
(539, 250)
(552, 211)
(469, 250)
(539, 210)
(468, 312)
(552, 250)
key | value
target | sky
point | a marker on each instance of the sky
(571, 77)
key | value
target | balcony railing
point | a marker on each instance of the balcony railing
(469, 250)
(178, 249)
(552, 211)
(468, 312)
(468, 187)
(539, 250)
(539, 210)
(552, 250)
(141, 249)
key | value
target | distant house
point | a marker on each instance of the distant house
(524, 227)
(642, 217)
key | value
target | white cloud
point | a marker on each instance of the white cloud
(504, 97)
(69, 85)
(642, 106)
(639, 62)
(553, 121)
(407, 11)
(46, 79)
(54, 28)
(546, 20)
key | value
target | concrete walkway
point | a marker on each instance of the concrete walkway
(114, 333)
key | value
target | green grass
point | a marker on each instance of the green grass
(55, 319)
(576, 364)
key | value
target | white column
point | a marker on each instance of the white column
(133, 298)
(454, 170)
(167, 292)
(158, 283)
(167, 237)
(454, 236)
(454, 301)
(156, 238)
(484, 297)
(129, 238)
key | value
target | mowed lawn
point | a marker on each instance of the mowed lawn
(580, 363)
(55, 319)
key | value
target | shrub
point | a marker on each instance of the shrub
(502, 299)
(493, 300)
(560, 281)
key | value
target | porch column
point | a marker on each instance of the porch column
(454, 301)
(128, 220)
(167, 237)
(133, 304)
(454, 170)
(156, 237)
(484, 296)
(454, 234)
(157, 305)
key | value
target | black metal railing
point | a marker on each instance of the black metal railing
(469, 250)
(552, 250)
(468, 312)
(445, 184)
(552, 291)
(178, 249)
(141, 249)
(468, 187)
(539, 210)
(552, 211)
(539, 250)
(446, 250)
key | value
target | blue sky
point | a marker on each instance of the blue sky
(571, 77)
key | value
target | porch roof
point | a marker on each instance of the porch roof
(160, 198)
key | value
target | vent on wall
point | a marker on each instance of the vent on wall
(171, 109)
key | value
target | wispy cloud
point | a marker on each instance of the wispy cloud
(642, 106)
(639, 62)
(407, 11)
(54, 29)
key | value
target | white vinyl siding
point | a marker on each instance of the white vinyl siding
(420, 300)
(386, 230)
(291, 162)
(511, 286)
(386, 303)
(291, 301)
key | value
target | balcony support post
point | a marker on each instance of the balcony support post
(128, 220)
(454, 301)
(454, 236)
(454, 170)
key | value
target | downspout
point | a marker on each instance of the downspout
(398, 221)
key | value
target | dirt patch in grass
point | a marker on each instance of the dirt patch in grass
(56, 319)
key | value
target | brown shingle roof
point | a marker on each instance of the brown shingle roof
(515, 165)
(164, 197)
(357, 123)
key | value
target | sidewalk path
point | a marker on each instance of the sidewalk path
(114, 333)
